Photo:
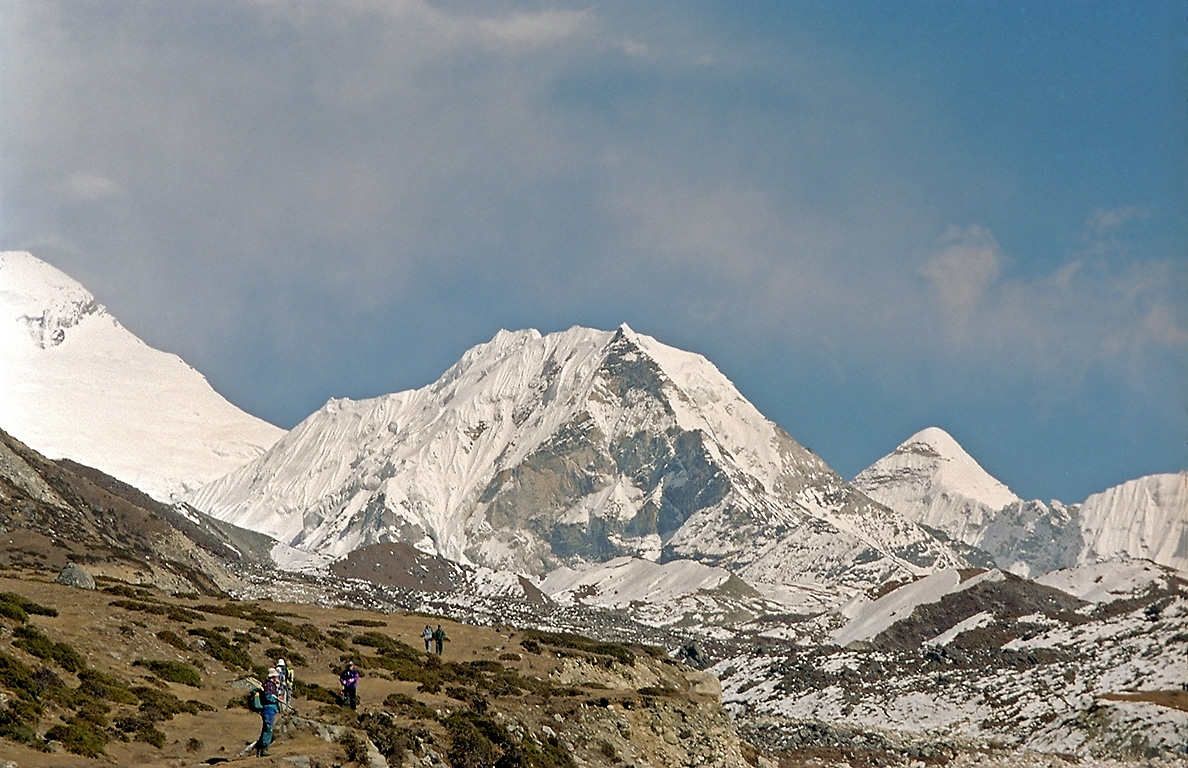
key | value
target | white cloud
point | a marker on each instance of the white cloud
(963, 271)
(89, 187)
(1091, 311)
(543, 28)
(1105, 221)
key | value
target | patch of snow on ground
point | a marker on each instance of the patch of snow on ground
(973, 622)
(297, 560)
(622, 581)
(1105, 581)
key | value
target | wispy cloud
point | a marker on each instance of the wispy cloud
(89, 187)
(962, 273)
(1090, 312)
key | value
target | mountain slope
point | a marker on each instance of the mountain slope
(55, 512)
(1143, 518)
(931, 480)
(76, 384)
(572, 448)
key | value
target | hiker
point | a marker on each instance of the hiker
(285, 675)
(268, 712)
(439, 638)
(427, 636)
(349, 680)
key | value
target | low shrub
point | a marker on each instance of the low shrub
(172, 671)
(159, 705)
(172, 638)
(104, 687)
(479, 741)
(126, 590)
(619, 653)
(16, 676)
(219, 647)
(392, 740)
(407, 707)
(80, 737)
(314, 692)
(13, 612)
(32, 641)
(355, 748)
(27, 605)
(172, 612)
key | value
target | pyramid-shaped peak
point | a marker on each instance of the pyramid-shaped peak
(933, 458)
(933, 441)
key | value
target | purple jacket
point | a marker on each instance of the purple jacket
(349, 678)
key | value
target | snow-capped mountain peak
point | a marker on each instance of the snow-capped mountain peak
(931, 480)
(74, 383)
(932, 475)
(535, 451)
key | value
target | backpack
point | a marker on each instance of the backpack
(256, 700)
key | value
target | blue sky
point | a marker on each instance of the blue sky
(872, 217)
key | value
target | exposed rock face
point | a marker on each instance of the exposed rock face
(534, 452)
(681, 724)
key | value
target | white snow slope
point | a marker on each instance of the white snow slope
(931, 480)
(75, 384)
(1143, 518)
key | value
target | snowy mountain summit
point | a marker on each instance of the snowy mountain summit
(931, 474)
(74, 383)
(573, 448)
(931, 480)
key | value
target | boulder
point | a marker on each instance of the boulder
(74, 575)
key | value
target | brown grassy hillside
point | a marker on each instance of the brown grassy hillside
(130, 676)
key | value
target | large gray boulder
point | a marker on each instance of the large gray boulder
(74, 575)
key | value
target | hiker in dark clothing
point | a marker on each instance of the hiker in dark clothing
(439, 638)
(349, 680)
(271, 701)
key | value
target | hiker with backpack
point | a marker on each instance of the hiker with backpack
(285, 675)
(269, 705)
(427, 636)
(349, 680)
(439, 637)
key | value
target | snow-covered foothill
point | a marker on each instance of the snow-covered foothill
(867, 618)
(622, 581)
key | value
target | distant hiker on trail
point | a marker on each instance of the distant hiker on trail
(349, 680)
(269, 711)
(439, 638)
(427, 636)
(285, 675)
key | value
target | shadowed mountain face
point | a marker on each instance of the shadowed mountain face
(534, 452)
(55, 512)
